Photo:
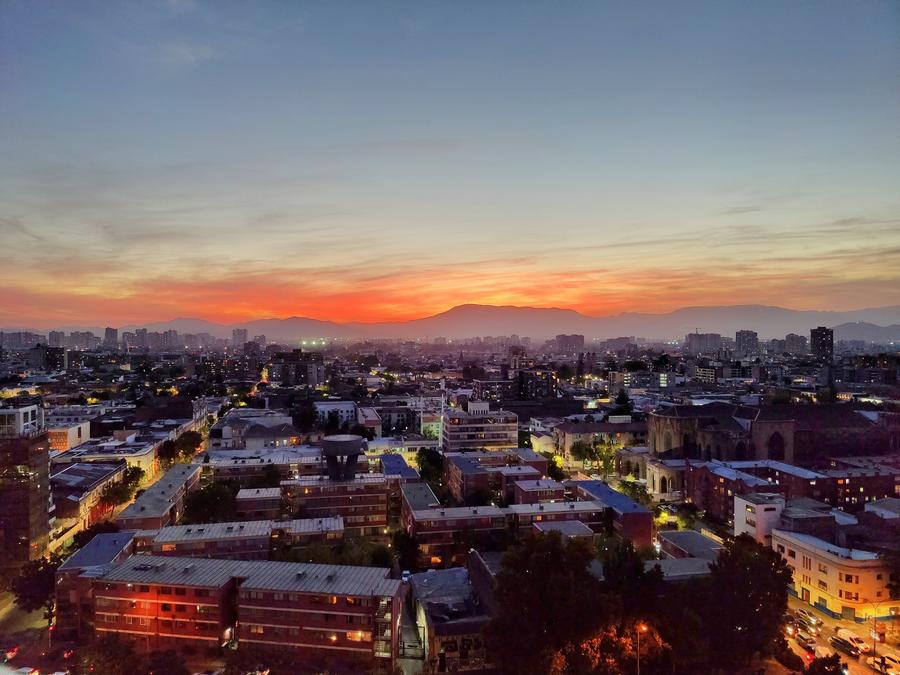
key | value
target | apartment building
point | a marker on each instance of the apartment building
(844, 582)
(258, 503)
(480, 427)
(67, 435)
(77, 491)
(162, 503)
(362, 501)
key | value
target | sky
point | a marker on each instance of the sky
(368, 161)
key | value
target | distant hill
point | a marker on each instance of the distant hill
(861, 330)
(880, 324)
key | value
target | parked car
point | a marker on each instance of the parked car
(8, 652)
(790, 624)
(808, 616)
(405, 576)
(863, 646)
(843, 645)
(884, 664)
(811, 628)
(805, 640)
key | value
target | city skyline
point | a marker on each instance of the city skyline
(231, 162)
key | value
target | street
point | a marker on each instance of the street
(830, 626)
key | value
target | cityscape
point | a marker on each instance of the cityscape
(414, 338)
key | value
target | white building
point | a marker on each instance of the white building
(757, 514)
(346, 411)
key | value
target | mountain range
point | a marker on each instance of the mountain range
(881, 324)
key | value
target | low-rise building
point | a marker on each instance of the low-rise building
(843, 582)
(258, 503)
(361, 501)
(689, 544)
(162, 503)
(67, 435)
(451, 618)
(77, 490)
(757, 514)
(480, 427)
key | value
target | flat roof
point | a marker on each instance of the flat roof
(675, 569)
(556, 507)
(360, 479)
(259, 493)
(602, 492)
(177, 571)
(822, 545)
(310, 525)
(762, 497)
(329, 579)
(567, 528)
(419, 496)
(84, 475)
(693, 543)
(395, 465)
(518, 470)
(542, 484)
(455, 512)
(214, 531)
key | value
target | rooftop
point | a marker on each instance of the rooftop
(566, 528)
(157, 499)
(419, 496)
(84, 475)
(259, 493)
(556, 507)
(762, 498)
(822, 545)
(538, 485)
(614, 499)
(693, 543)
(101, 550)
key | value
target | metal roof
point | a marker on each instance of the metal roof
(259, 493)
(419, 496)
(214, 531)
(100, 550)
(157, 499)
(311, 578)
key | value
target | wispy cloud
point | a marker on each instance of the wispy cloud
(186, 53)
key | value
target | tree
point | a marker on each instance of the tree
(547, 598)
(749, 585)
(624, 406)
(406, 548)
(554, 468)
(108, 655)
(613, 651)
(632, 590)
(35, 586)
(565, 372)
(214, 503)
(825, 665)
(188, 444)
(583, 452)
(431, 465)
(167, 452)
(167, 662)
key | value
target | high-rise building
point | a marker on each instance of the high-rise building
(260, 340)
(702, 343)
(24, 484)
(573, 344)
(111, 338)
(746, 342)
(238, 338)
(821, 341)
(795, 344)
(57, 338)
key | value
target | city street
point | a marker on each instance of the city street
(830, 626)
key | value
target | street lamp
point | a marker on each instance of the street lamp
(641, 628)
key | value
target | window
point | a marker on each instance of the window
(143, 589)
(256, 629)
(165, 590)
(822, 585)
(823, 568)
(166, 607)
(791, 553)
(201, 593)
(180, 591)
(179, 608)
